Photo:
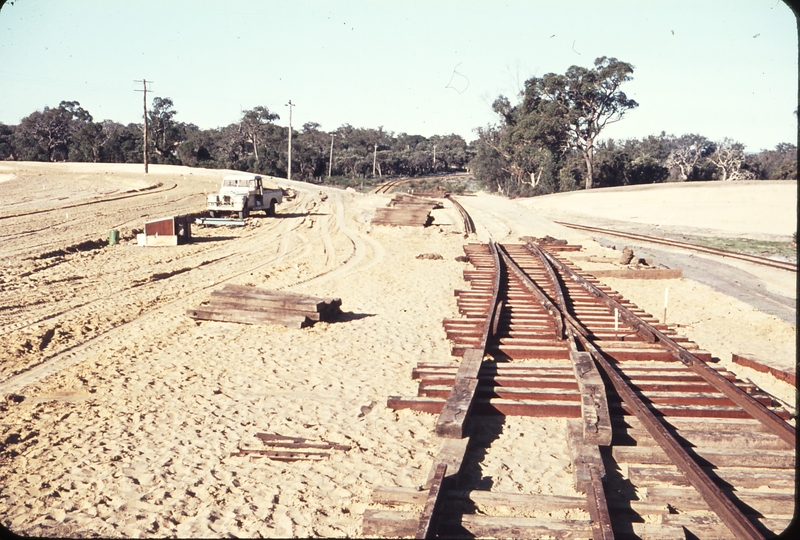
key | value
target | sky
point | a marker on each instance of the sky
(720, 68)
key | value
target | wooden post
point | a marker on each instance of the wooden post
(144, 145)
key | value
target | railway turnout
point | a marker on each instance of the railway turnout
(663, 442)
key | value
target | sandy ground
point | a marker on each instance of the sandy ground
(122, 414)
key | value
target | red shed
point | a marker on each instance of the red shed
(177, 226)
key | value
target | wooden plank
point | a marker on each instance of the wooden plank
(494, 406)
(470, 364)
(654, 531)
(696, 398)
(522, 528)
(746, 425)
(763, 459)
(715, 438)
(521, 381)
(506, 392)
(582, 456)
(223, 303)
(451, 453)
(523, 352)
(289, 297)
(394, 523)
(777, 479)
(649, 273)
(710, 527)
(429, 519)
(598, 509)
(456, 408)
(550, 409)
(763, 366)
(451, 421)
(686, 499)
(594, 405)
(256, 302)
(562, 367)
(246, 317)
(389, 523)
(696, 411)
(488, 499)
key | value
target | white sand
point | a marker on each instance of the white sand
(132, 410)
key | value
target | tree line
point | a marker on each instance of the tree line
(547, 142)
(255, 144)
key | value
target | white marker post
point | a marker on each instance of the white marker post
(666, 301)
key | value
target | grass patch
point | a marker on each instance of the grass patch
(455, 184)
(784, 249)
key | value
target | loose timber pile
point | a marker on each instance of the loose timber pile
(406, 210)
(250, 305)
(437, 193)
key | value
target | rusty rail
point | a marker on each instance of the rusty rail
(774, 423)
(469, 225)
(659, 404)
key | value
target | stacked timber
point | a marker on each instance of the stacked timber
(251, 305)
(437, 193)
(406, 210)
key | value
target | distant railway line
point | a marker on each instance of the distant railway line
(387, 187)
(755, 259)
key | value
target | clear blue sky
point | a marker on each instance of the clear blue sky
(721, 68)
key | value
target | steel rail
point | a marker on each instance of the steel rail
(792, 267)
(773, 422)
(549, 306)
(469, 225)
(459, 403)
(490, 328)
(386, 186)
(730, 515)
(570, 329)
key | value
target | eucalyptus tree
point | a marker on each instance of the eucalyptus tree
(254, 125)
(51, 130)
(87, 143)
(777, 164)
(167, 134)
(687, 152)
(6, 142)
(729, 157)
(585, 101)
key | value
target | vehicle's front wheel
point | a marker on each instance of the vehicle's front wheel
(244, 213)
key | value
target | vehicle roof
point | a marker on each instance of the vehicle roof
(241, 176)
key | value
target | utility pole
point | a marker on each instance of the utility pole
(330, 161)
(144, 146)
(290, 105)
(434, 156)
(374, 158)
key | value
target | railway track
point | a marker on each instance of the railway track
(469, 225)
(387, 187)
(663, 442)
(763, 261)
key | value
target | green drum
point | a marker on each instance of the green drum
(113, 237)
